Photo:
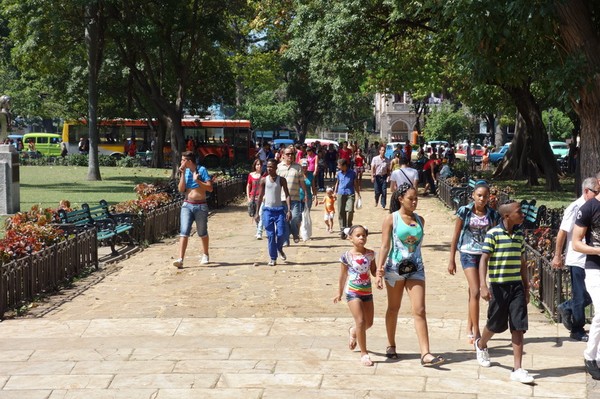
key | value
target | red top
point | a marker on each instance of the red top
(345, 154)
(254, 183)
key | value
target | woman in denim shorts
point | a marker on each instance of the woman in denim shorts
(473, 221)
(195, 182)
(400, 264)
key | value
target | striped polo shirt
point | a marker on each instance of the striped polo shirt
(292, 175)
(505, 252)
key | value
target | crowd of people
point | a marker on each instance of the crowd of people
(283, 183)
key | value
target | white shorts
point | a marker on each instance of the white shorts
(328, 216)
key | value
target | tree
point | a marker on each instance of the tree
(175, 52)
(579, 30)
(447, 123)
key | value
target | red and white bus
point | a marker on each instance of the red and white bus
(213, 139)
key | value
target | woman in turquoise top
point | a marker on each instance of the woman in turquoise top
(400, 264)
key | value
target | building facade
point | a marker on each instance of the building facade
(394, 120)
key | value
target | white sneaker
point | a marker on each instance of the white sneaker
(521, 375)
(178, 263)
(483, 357)
(204, 260)
(259, 236)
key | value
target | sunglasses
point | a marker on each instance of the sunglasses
(288, 153)
(594, 191)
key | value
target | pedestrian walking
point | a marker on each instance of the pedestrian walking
(292, 172)
(274, 213)
(195, 182)
(400, 265)
(587, 226)
(508, 292)
(329, 209)
(357, 265)
(472, 223)
(572, 311)
(252, 194)
(379, 175)
(346, 188)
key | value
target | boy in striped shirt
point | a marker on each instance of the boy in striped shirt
(508, 294)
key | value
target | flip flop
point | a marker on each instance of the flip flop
(351, 339)
(390, 352)
(435, 360)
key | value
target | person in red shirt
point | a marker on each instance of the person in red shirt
(345, 152)
(429, 170)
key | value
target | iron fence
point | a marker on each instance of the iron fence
(45, 271)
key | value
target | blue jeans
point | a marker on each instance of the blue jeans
(293, 226)
(380, 189)
(274, 222)
(189, 214)
(580, 299)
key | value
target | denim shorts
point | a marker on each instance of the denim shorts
(365, 298)
(391, 273)
(469, 260)
(189, 214)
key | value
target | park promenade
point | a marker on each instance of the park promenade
(241, 329)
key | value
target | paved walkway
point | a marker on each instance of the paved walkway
(145, 329)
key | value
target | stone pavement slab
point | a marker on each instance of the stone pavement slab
(145, 329)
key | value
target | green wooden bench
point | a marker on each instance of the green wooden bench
(108, 226)
(532, 213)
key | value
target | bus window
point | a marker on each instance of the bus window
(214, 135)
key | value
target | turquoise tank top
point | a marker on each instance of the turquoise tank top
(406, 240)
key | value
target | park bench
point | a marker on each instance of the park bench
(532, 213)
(461, 197)
(108, 226)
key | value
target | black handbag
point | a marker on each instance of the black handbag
(406, 266)
(251, 208)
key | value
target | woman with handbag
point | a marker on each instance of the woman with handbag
(252, 193)
(400, 264)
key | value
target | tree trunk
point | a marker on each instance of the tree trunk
(499, 138)
(537, 157)
(94, 43)
(514, 165)
(580, 37)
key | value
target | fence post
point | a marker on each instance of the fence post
(3, 293)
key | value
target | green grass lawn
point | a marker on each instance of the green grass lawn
(543, 197)
(47, 185)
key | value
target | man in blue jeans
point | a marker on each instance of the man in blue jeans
(292, 172)
(379, 176)
(572, 311)
(195, 182)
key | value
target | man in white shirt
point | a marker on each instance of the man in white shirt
(405, 174)
(572, 311)
(379, 174)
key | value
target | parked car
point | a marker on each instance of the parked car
(497, 156)
(560, 149)
(323, 142)
(47, 144)
(477, 151)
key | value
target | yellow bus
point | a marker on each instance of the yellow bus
(212, 140)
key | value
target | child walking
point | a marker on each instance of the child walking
(355, 280)
(329, 210)
(508, 293)
(473, 221)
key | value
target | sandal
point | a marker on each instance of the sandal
(470, 339)
(365, 360)
(434, 361)
(351, 339)
(390, 352)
